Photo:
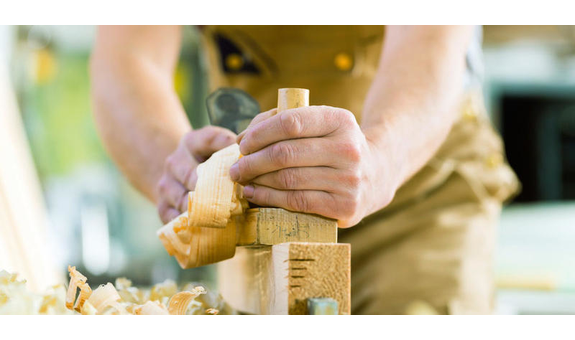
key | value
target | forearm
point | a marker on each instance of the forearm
(138, 113)
(412, 103)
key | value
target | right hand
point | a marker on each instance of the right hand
(179, 175)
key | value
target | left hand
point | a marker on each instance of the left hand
(313, 159)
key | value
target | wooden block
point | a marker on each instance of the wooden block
(279, 279)
(270, 226)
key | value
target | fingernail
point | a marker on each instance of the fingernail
(248, 191)
(235, 172)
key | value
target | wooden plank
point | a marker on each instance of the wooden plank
(23, 215)
(270, 226)
(279, 279)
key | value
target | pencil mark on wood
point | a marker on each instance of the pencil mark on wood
(302, 260)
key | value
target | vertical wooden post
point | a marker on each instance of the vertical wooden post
(291, 98)
(23, 217)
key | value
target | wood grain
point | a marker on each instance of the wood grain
(270, 226)
(198, 246)
(292, 98)
(279, 279)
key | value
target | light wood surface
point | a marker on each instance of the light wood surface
(23, 217)
(292, 98)
(279, 279)
(269, 226)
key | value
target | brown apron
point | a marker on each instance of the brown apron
(433, 245)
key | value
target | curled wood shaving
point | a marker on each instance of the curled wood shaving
(85, 292)
(105, 296)
(212, 202)
(181, 302)
(75, 280)
(212, 311)
(16, 299)
(106, 299)
(151, 308)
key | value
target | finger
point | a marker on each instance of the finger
(307, 201)
(166, 212)
(182, 166)
(259, 118)
(305, 122)
(173, 192)
(306, 152)
(305, 178)
(204, 142)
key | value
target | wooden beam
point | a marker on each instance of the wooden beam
(279, 279)
(23, 216)
(270, 226)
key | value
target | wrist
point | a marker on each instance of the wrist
(387, 169)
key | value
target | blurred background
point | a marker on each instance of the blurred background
(97, 222)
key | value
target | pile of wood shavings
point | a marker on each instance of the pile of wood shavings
(118, 299)
(15, 299)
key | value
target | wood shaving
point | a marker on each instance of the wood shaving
(110, 299)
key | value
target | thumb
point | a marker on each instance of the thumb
(204, 142)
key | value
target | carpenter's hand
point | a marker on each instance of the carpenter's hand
(179, 175)
(314, 159)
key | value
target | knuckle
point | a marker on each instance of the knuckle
(291, 123)
(349, 205)
(287, 179)
(346, 116)
(282, 154)
(162, 186)
(352, 178)
(189, 139)
(349, 208)
(170, 163)
(351, 150)
(297, 201)
(339, 114)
